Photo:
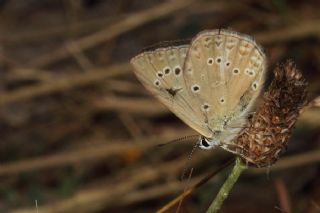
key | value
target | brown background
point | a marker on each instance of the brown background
(79, 132)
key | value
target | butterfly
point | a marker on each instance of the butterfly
(211, 84)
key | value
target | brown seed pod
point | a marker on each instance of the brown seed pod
(270, 127)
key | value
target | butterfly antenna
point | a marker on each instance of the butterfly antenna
(184, 190)
(185, 171)
(188, 137)
(188, 160)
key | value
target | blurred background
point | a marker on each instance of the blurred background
(78, 132)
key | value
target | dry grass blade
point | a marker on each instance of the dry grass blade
(85, 154)
(107, 193)
(63, 84)
(176, 200)
(128, 23)
(296, 31)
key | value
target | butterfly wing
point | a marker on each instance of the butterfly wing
(224, 72)
(161, 72)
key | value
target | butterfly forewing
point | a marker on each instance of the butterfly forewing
(161, 72)
(223, 74)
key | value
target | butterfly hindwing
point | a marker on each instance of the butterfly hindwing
(224, 72)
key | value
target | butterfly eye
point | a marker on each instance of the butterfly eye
(204, 143)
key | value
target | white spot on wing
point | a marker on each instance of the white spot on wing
(218, 60)
(195, 88)
(167, 70)
(157, 83)
(236, 71)
(210, 61)
(250, 72)
(205, 107)
(254, 85)
(160, 74)
(222, 100)
(177, 70)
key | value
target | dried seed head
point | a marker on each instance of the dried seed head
(270, 128)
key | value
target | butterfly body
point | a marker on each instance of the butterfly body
(210, 84)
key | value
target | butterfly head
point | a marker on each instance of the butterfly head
(218, 138)
(209, 143)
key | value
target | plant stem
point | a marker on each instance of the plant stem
(227, 186)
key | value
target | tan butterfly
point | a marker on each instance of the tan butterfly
(211, 84)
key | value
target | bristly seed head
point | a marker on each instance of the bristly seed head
(270, 127)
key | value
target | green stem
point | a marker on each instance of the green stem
(227, 186)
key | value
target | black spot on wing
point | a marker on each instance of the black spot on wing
(173, 91)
